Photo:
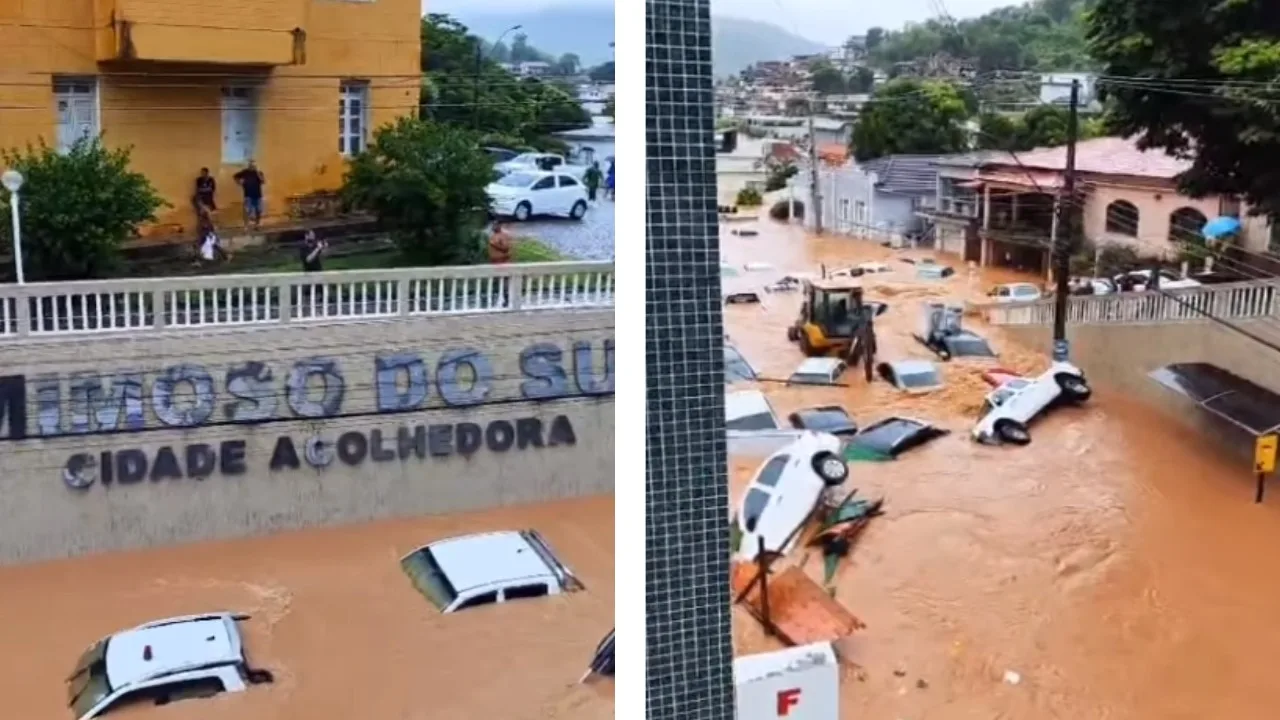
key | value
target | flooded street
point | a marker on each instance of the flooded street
(335, 619)
(1117, 564)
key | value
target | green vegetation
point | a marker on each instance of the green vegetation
(1229, 114)
(828, 80)
(425, 182)
(78, 209)
(509, 111)
(911, 116)
(1043, 35)
(749, 197)
(1041, 126)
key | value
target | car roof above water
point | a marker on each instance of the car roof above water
(472, 561)
(170, 646)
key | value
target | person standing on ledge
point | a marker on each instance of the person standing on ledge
(251, 181)
(499, 245)
(312, 250)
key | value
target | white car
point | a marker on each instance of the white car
(526, 193)
(785, 491)
(818, 371)
(1012, 406)
(1015, 293)
(472, 570)
(535, 161)
(752, 427)
(1168, 280)
(163, 661)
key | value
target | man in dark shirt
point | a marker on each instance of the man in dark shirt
(312, 251)
(206, 189)
(251, 181)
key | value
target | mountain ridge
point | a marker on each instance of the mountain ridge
(587, 31)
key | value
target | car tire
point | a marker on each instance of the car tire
(579, 210)
(831, 468)
(1074, 388)
(1013, 432)
(523, 212)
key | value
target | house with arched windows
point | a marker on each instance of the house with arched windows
(1123, 196)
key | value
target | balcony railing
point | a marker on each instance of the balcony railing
(957, 207)
(44, 310)
(1234, 301)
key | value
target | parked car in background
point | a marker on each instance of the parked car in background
(1015, 293)
(469, 571)
(526, 193)
(1011, 407)
(1138, 280)
(544, 162)
(784, 493)
(193, 656)
(501, 155)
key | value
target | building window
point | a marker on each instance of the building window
(1186, 225)
(76, 102)
(1273, 243)
(353, 117)
(1122, 218)
(239, 124)
(860, 213)
(844, 210)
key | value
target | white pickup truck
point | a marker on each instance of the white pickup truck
(540, 161)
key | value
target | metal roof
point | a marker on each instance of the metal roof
(905, 174)
(1220, 392)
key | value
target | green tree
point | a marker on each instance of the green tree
(999, 132)
(602, 72)
(521, 50)
(492, 101)
(910, 116)
(425, 182)
(608, 106)
(1228, 124)
(875, 36)
(861, 81)
(568, 64)
(77, 209)
(826, 79)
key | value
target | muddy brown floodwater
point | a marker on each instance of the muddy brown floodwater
(1117, 564)
(334, 619)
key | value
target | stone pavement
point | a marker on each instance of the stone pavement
(590, 239)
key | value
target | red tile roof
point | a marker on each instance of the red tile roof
(1108, 156)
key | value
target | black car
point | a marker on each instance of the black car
(889, 438)
(831, 419)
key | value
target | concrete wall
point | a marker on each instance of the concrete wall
(236, 396)
(1118, 357)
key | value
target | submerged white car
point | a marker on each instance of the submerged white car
(469, 571)
(1012, 406)
(180, 658)
(525, 193)
(752, 427)
(785, 491)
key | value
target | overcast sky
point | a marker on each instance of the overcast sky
(829, 21)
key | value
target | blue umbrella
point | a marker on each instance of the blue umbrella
(1221, 227)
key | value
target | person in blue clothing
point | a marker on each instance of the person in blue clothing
(608, 182)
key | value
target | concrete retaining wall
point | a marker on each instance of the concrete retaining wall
(226, 404)
(1117, 357)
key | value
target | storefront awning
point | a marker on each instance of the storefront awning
(1220, 392)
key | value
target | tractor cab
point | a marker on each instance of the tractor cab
(835, 318)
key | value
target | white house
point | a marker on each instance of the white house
(1055, 88)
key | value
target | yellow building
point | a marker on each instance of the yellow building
(294, 84)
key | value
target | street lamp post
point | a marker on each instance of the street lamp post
(12, 181)
(475, 88)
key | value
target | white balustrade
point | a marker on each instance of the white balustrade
(142, 305)
(1238, 301)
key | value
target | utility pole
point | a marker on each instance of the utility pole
(1064, 244)
(816, 198)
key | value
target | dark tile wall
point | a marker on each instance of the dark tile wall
(690, 671)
